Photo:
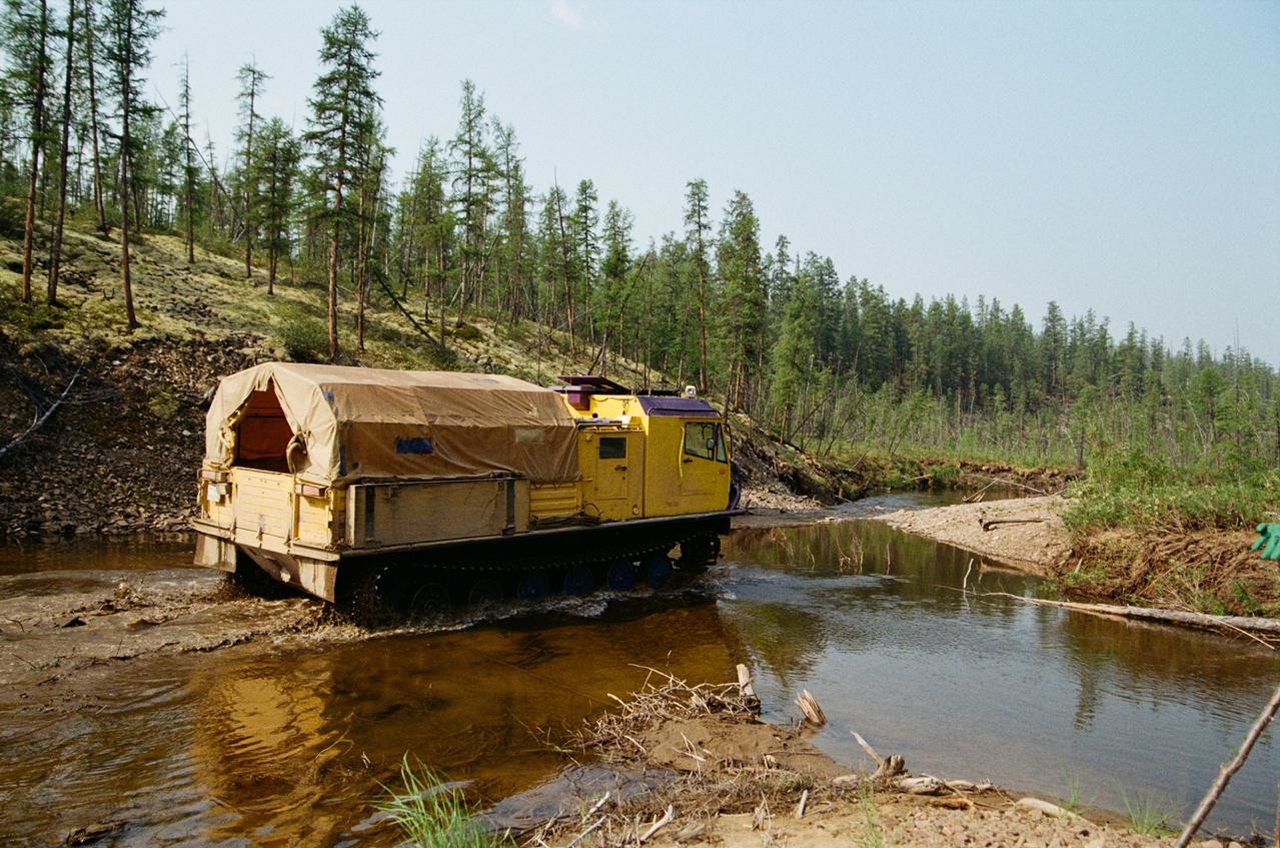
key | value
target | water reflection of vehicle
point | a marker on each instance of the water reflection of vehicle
(313, 471)
(297, 745)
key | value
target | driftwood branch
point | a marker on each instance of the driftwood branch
(666, 819)
(866, 746)
(812, 712)
(1193, 619)
(1228, 771)
(988, 524)
(39, 422)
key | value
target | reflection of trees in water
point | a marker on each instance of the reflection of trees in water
(786, 639)
(1130, 660)
(1134, 659)
(930, 574)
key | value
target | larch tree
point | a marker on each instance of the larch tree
(697, 232)
(342, 107)
(251, 79)
(129, 28)
(514, 248)
(189, 173)
(584, 225)
(615, 280)
(90, 41)
(26, 28)
(741, 317)
(276, 170)
(434, 226)
(64, 152)
(473, 172)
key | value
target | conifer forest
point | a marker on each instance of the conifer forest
(833, 364)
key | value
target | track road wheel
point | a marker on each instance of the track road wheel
(429, 598)
(657, 570)
(533, 586)
(485, 590)
(621, 575)
(579, 580)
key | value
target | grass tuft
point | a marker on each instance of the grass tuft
(871, 836)
(1148, 815)
(433, 813)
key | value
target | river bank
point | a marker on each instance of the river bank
(714, 774)
(1209, 572)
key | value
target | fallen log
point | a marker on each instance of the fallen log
(1191, 619)
(987, 524)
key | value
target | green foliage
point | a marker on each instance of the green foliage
(871, 836)
(1138, 489)
(1149, 815)
(467, 333)
(304, 338)
(434, 814)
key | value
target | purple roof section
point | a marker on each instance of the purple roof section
(676, 407)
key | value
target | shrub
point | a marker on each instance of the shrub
(305, 339)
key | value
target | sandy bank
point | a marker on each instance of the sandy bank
(1024, 532)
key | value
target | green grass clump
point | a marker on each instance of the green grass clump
(871, 836)
(434, 814)
(1148, 815)
(1139, 490)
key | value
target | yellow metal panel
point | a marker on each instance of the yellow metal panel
(263, 507)
(616, 460)
(549, 501)
(422, 512)
(662, 468)
(314, 517)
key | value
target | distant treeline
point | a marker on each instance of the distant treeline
(826, 363)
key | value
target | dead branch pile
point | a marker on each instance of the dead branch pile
(664, 698)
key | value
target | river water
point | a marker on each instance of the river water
(287, 739)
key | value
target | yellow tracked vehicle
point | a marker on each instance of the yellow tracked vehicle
(421, 487)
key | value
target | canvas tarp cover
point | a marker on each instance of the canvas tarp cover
(371, 424)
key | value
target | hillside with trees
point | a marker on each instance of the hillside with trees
(834, 365)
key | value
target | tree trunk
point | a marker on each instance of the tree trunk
(333, 274)
(126, 107)
(55, 250)
(29, 223)
(249, 217)
(37, 139)
(99, 204)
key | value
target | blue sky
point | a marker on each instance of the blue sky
(1123, 157)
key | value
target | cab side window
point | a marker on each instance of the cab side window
(703, 440)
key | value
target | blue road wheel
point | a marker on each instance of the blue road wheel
(621, 575)
(657, 570)
(533, 586)
(579, 580)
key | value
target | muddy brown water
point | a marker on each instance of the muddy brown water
(175, 713)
